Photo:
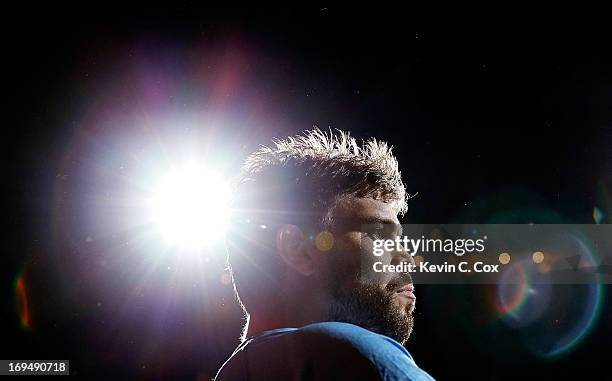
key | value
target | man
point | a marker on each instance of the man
(305, 211)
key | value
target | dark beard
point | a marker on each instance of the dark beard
(373, 308)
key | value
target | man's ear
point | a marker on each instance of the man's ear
(292, 248)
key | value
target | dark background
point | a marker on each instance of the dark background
(499, 118)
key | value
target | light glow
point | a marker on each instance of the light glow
(190, 206)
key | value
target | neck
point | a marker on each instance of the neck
(261, 321)
(258, 324)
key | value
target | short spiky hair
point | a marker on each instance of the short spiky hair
(335, 159)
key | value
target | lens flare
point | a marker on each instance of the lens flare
(538, 257)
(519, 301)
(590, 313)
(504, 258)
(324, 241)
(552, 320)
(190, 206)
(598, 215)
(23, 309)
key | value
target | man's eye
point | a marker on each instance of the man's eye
(381, 231)
(376, 231)
(374, 235)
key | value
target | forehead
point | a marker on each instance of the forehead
(365, 210)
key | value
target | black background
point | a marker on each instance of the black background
(501, 116)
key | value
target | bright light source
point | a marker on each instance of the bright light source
(190, 206)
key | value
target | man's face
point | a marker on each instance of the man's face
(385, 305)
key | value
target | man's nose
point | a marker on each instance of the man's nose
(398, 258)
(401, 255)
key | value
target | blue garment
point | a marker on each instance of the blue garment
(321, 351)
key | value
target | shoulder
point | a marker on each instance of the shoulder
(356, 336)
(321, 351)
(390, 358)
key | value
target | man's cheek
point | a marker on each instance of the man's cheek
(345, 258)
(349, 247)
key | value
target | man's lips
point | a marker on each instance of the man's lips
(406, 291)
